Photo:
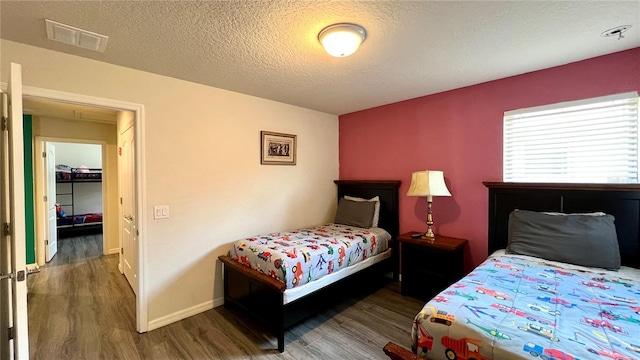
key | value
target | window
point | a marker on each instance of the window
(586, 141)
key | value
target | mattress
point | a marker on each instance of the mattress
(296, 293)
(65, 173)
(80, 219)
(302, 256)
(519, 307)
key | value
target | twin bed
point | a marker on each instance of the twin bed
(282, 278)
(533, 307)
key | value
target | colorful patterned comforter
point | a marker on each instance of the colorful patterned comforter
(300, 256)
(517, 307)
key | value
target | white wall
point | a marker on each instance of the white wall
(75, 155)
(203, 160)
(87, 198)
(87, 195)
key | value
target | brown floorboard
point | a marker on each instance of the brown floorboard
(81, 307)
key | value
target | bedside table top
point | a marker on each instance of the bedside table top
(441, 242)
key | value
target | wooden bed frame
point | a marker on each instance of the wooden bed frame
(620, 200)
(263, 297)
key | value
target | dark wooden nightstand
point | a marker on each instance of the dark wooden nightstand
(428, 267)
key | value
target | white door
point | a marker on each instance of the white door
(51, 242)
(129, 254)
(5, 247)
(13, 212)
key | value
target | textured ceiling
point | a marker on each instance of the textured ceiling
(270, 49)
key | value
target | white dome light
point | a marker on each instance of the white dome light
(341, 40)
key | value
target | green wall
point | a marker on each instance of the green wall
(29, 213)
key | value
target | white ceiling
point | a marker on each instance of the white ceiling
(269, 48)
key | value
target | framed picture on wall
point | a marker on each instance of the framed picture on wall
(277, 148)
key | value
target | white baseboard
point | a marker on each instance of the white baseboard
(185, 313)
(114, 251)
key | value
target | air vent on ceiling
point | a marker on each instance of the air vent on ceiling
(74, 36)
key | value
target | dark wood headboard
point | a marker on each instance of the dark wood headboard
(388, 193)
(621, 201)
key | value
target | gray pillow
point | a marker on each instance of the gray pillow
(580, 239)
(355, 213)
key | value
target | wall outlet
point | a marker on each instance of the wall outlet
(161, 212)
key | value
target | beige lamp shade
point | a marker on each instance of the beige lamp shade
(428, 183)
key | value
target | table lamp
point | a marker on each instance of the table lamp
(428, 183)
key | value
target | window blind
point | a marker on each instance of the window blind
(585, 141)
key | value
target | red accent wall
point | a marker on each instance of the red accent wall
(460, 132)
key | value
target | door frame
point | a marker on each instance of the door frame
(142, 316)
(40, 186)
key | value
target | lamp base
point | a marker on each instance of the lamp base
(424, 236)
(428, 238)
(429, 235)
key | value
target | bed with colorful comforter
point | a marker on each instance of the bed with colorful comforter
(520, 307)
(301, 256)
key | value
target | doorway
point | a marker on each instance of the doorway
(134, 113)
(71, 193)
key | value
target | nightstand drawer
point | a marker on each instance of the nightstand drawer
(431, 260)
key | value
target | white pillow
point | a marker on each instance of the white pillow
(376, 211)
(585, 214)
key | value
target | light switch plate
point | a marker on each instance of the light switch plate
(161, 212)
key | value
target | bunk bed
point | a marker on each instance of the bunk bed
(69, 222)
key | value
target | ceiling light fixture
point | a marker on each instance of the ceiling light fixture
(616, 31)
(341, 40)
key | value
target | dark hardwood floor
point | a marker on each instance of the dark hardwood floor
(81, 307)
